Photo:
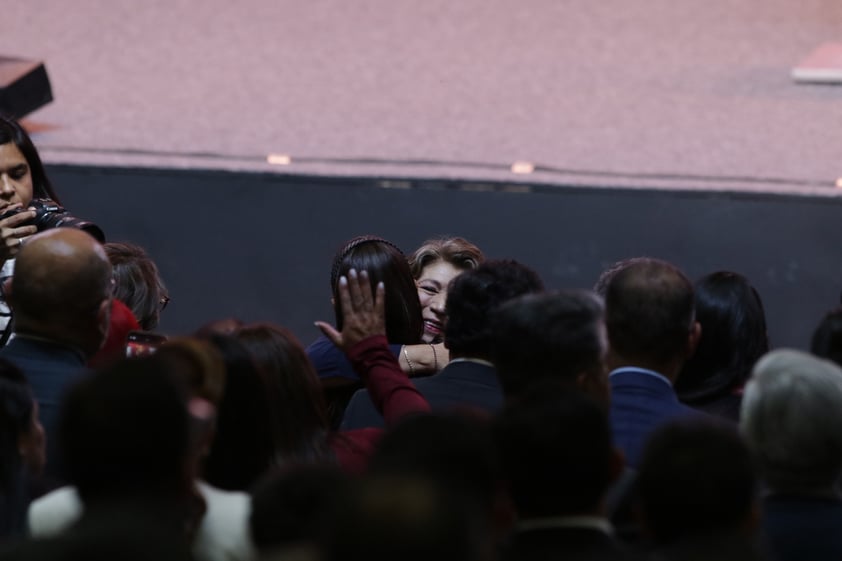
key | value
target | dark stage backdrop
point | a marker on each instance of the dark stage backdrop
(259, 246)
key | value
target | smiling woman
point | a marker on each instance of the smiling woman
(22, 178)
(434, 265)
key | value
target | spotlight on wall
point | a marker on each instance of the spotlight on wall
(279, 159)
(523, 168)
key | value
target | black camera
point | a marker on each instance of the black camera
(49, 214)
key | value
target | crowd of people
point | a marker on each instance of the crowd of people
(455, 408)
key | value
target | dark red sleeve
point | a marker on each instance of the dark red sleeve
(391, 391)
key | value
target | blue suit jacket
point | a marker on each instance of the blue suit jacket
(640, 402)
(464, 384)
(50, 369)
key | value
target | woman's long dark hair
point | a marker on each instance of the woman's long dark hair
(384, 263)
(246, 443)
(733, 322)
(298, 405)
(11, 131)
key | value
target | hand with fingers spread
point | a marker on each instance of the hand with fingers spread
(14, 231)
(362, 309)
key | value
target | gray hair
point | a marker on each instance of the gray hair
(792, 418)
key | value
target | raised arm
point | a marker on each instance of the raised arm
(364, 341)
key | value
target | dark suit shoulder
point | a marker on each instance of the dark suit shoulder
(578, 544)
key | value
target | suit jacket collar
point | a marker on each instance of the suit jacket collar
(633, 375)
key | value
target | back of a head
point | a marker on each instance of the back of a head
(62, 278)
(458, 252)
(123, 433)
(137, 282)
(649, 310)
(553, 336)
(792, 419)
(474, 295)
(557, 453)
(295, 391)
(247, 442)
(827, 338)
(385, 263)
(600, 287)
(455, 451)
(291, 507)
(198, 364)
(734, 336)
(696, 478)
(409, 518)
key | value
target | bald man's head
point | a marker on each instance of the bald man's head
(61, 284)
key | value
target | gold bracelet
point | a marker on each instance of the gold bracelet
(408, 362)
(435, 358)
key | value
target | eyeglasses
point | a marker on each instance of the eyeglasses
(163, 302)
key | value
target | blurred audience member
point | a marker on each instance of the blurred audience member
(698, 491)
(247, 442)
(125, 442)
(457, 452)
(298, 406)
(558, 336)
(292, 507)
(217, 520)
(224, 326)
(792, 420)
(558, 459)
(408, 518)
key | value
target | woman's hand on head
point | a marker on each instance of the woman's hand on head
(14, 231)
(362, 311)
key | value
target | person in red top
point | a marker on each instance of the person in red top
(363, 339)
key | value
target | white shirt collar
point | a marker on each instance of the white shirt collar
(637, 370)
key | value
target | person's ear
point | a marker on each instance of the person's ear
(103, 317)
(594, 382)
(693, 338)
